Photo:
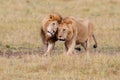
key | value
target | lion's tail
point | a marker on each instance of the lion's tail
(95, 45)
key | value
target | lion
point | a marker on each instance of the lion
(48, 31)
(74, 32)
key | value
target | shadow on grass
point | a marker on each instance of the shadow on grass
(21, 51)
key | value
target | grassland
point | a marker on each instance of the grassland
(59, 67)
(20, 45)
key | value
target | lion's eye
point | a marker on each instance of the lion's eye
(50, 16)
(53, 24)
(53, 31)
(64, 29)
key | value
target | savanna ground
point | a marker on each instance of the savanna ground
(20, 46)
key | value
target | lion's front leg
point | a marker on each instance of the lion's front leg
(66, 48)
(45, 46)
(70, 47)
(49, 49)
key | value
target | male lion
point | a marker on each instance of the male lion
(48, 31)
(75, 32)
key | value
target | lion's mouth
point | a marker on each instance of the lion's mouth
(49, 33)
(62, 39)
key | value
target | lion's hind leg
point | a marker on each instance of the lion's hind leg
(95, 45)
(86, 46)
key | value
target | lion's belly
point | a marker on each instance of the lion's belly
(82, 35)
(81, 39)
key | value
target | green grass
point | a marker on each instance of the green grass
(20, 21)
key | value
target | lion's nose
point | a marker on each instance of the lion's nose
(60, 36)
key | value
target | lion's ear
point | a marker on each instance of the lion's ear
(50, 16)
(68, 21)
(60, 20)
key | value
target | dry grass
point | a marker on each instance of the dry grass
(20, 21)
(60, 67)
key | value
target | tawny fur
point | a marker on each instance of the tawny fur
(49, 41)
(76, 31)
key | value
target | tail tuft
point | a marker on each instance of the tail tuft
(94, 46)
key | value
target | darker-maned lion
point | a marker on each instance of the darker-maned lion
(48, 31)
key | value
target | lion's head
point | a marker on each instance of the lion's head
(51, 23)
(65, 30)
(48, 31)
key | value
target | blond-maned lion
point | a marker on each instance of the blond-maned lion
(75, 31)
(48, 31)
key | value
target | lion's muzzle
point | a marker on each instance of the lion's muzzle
(50, 33)
(61, 38)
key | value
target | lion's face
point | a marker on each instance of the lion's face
(63, 32)
(52, 28)
(50, 24)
